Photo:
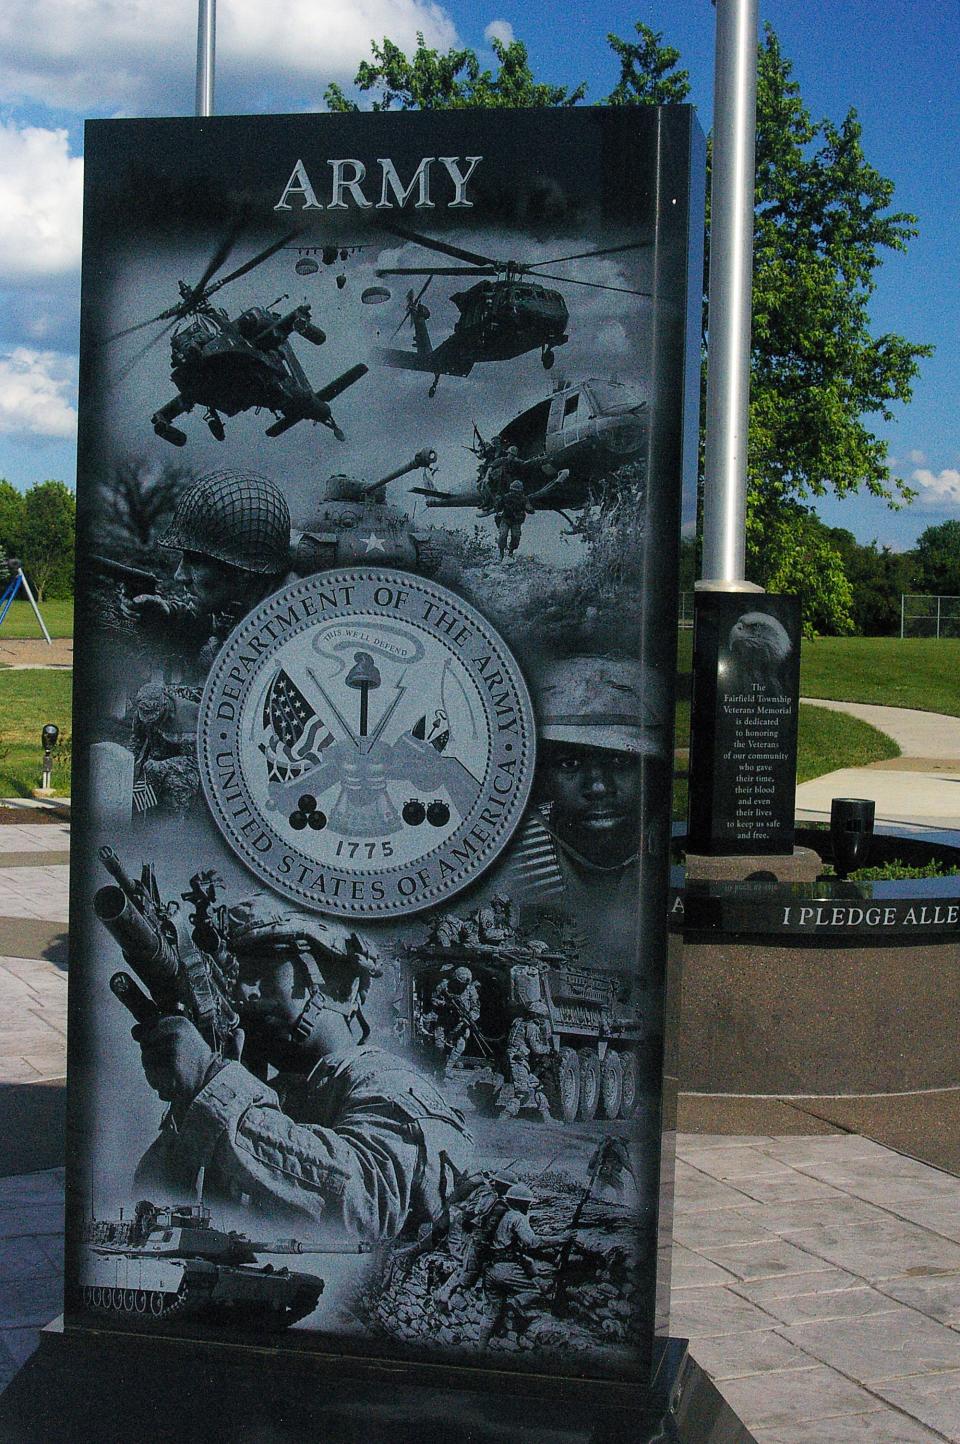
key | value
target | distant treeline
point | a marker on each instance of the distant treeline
(877, 575)
(38, 527)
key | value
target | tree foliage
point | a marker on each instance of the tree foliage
(878, 578)
(455, 81)
(936, 560)
(138, 497)
(799, 559)
(648, 73)
(48, 538)
(11, 519)
(819, 376)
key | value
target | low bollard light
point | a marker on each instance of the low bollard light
(851, 832)
(48, 738)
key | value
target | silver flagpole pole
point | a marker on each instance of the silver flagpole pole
(731, 270)
(206, 55)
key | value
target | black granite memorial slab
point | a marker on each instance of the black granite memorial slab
(743, 724)
(372, 774)
(834, 909)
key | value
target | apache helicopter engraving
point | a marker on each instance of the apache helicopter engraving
(580, 434)
(231, 364)
(499, 318)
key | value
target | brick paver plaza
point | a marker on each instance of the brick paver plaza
(817, 1278)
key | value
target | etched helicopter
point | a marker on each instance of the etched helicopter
(499, 318)
(231, 364)
(567, 443)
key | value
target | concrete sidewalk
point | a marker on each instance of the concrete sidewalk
(921, 788)
(817, 1278)
(817, 1275)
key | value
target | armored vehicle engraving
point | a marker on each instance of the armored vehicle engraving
(540, 1029)
(169, 1260)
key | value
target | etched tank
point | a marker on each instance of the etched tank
(355, 524)
(168, 1261)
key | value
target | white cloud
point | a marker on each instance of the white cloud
(500, 30)
(140, 57)
(940, 488)
(917, 457)
(41, 191)
(36, 393)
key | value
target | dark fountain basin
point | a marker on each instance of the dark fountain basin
(825, 988)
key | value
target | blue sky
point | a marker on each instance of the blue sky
(64, 60)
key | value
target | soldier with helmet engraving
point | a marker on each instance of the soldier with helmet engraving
(345, 1136)
(512, 509)
(602, 725)
(453, 1014)
(511, 1278)
(527, 1051)
(232, 529)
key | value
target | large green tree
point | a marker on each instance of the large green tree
(11, 519)
(819, 377)
(49, 533)
(878, 577)
(936, 560)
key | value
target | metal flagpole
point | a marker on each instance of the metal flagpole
(731, 269)
(206, 55)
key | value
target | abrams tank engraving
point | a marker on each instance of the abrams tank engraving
(169, 1261)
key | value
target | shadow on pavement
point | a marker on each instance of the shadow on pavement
(32, 1117)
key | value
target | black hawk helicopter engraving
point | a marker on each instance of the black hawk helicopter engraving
(499, 318)
(565, 446)
(231, 364)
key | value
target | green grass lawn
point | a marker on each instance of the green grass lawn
(28, 700)
(20, 621)
(826, 741)
(915, 672)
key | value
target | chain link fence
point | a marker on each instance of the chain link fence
(924, 615)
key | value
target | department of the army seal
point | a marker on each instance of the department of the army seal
(366, 742)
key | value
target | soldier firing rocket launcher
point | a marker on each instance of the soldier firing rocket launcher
(196, 982)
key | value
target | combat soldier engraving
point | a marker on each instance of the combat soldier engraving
(512, 510)
(232, 529)
(344, 1136)
(164, 745)
(510, 1275)
(548, 1035)
(528, 1050)
(454, 1012)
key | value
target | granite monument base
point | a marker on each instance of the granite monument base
(800, 865)
(86, 1384)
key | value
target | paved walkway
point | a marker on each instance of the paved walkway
(33, 918)
(921, 788)
(818, 1280)
(817, 1277)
